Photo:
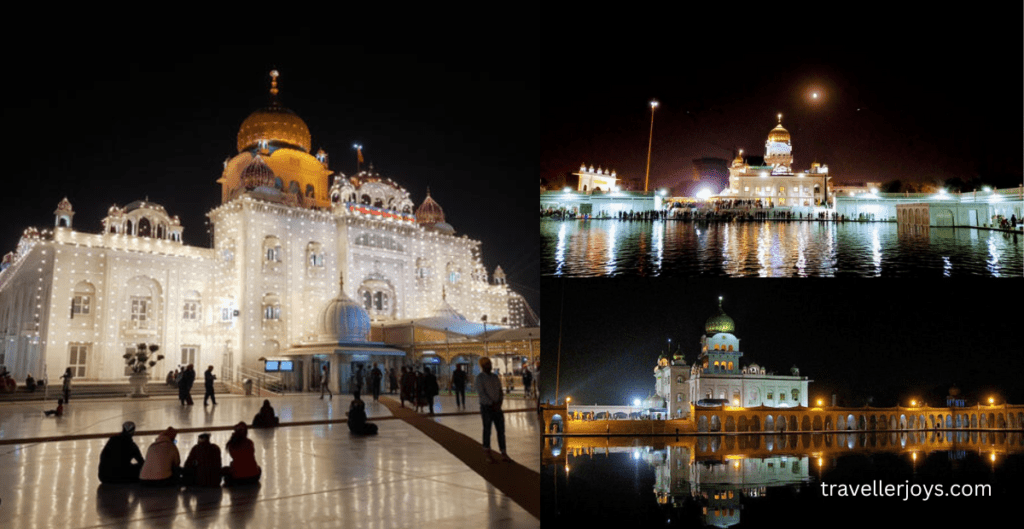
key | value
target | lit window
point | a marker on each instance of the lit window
(77, 358)
(80, 306)
(188, 354)
(140, 312)
(190, 311)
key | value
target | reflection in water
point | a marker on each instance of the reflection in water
(717, 480)
(773, 249)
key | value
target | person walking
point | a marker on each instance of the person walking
(376, 376)
(488, 387)
(430, 389)
(527, 381)
(183, 386)
(459, 383)
(116, 459)
(408, 386)
(356, 381)
(325, 385)
(190, 375)
(67, 376)
(392, 381)
(209, 378)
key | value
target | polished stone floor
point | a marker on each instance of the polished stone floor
(314, 475)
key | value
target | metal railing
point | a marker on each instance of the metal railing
(262, 383)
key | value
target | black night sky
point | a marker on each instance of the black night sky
(923, 95)
(108, 117)
(889, 340)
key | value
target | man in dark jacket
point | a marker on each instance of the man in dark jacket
(430, 389)
(210, 377)
(188, 377)
(459, 383)
(376, 375)
(116, 458)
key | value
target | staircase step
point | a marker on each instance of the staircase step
(106, 391)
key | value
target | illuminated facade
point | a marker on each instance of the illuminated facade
(716, 378)
(282, 238)
(600, 180)
(772, 182)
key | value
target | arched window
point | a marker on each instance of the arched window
(191, 306)
(144, 227)
(278, 184)
(81, 300)
(796, 394)
(309, 190)
(271, 249)
(293, 188)
(271, 307)
(378, 298)
(314, 255)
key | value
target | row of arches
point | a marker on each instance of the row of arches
(851, 441)
(783, 422)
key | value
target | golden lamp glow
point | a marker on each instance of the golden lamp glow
(913, 403)
(991, 400)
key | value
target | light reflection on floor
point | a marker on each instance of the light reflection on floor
(314, 476)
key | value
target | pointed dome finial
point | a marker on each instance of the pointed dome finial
(444, 297)
(273, 84)
(341, 282)
(780, 118)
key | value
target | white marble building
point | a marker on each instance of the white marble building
(717, 377)
(772, 181)
(282, 238)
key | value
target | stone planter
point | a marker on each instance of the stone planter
(137, 381)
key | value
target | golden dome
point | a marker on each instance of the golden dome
(779, 134)
(274, 125)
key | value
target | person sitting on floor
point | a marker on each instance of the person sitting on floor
(116, 459)
(163, 462)
(202, 467)
(30, 383)
(243, 469)
(265, 418)
(59, 412)
(357, 418)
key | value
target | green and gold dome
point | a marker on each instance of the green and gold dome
(719, 322)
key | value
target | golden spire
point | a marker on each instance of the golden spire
(273, 85)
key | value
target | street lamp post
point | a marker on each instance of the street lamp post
(650, 139)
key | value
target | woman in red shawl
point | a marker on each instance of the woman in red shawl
(243, 469)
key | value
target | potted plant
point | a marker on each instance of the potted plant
(138, 364)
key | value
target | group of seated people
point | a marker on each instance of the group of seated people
(121, 461)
